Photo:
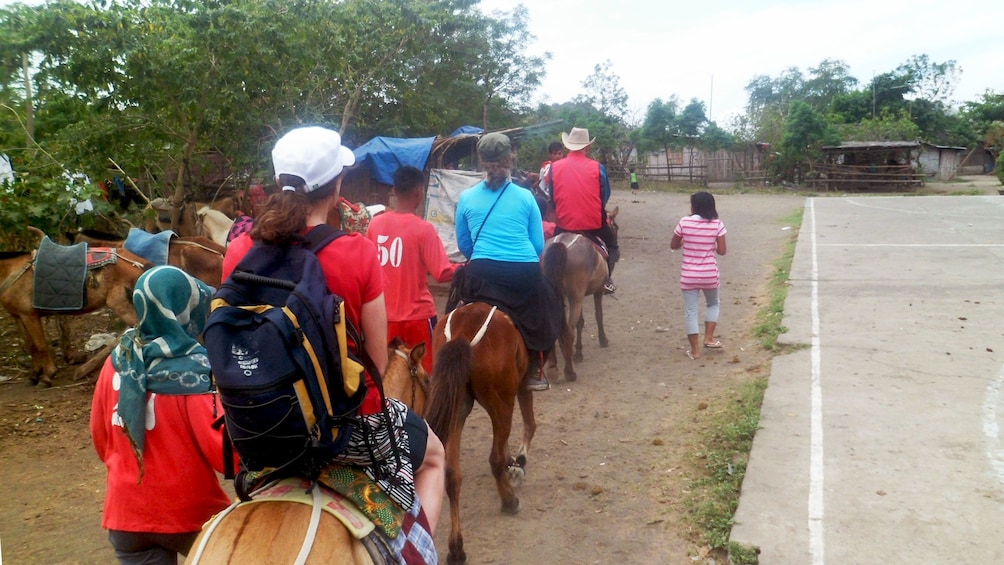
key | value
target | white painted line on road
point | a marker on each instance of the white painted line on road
(924, 245)
(816, 414)
(991, 428)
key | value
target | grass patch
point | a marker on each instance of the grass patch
(720, 460)
(769, 319)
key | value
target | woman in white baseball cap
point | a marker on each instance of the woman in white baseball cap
(309, 166)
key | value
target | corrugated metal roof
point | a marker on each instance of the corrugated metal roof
(873, 145)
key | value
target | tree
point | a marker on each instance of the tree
(805, 132)
(659, 130)
(887, 127)
(827, 81)
(603, 94)
(505, 67)
(169, 88)
(929, 80)
(985, 117)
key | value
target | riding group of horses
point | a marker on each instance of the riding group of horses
(479, 357)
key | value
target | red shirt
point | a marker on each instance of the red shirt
(409, 250)
(577, 193)
(351, 268)
(180, 490)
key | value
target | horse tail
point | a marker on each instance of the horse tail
(450, 378)
(553, 264)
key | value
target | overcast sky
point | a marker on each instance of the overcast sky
(710, 49)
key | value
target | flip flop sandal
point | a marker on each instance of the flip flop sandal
(715, 345)
(691, 355)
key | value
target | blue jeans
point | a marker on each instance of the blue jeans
(690, 308)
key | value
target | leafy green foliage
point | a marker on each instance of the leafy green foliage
(806, 131)
(887, 127)
(172, 89)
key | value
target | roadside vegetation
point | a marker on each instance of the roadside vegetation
(730, 425)
(186, 98)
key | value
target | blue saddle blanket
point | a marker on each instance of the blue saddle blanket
(151, 246)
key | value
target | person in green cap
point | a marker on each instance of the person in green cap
(499, 229)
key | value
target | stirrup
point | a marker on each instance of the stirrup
(609, 288)
(536, 384)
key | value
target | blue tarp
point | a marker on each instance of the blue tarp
(384, 155)
(465, 130)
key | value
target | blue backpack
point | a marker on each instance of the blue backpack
(276, 340)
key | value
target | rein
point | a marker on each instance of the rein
(136, 264)
(481, 331)
(199, 245)
(13, 278)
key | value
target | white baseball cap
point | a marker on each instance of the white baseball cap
(314, 154)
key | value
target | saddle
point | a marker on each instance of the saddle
(596, 241)
(61, 274)
(389, 534)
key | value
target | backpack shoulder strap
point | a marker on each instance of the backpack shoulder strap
(321, 235)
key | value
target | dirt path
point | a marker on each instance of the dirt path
(606, 472)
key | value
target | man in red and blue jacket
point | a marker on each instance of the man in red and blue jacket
(580, 190)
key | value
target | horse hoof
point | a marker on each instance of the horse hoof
(516, 476)
(521, 460)
(512, 508)
(459, 559)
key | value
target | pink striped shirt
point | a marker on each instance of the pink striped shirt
(699, 269)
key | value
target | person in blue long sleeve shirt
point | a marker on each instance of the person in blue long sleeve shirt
(499, 229)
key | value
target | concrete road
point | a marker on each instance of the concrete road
(881, 438)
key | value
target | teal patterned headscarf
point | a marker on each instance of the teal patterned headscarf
(161, 354)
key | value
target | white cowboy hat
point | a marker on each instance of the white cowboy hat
(577, 139)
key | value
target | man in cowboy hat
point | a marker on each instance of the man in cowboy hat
(580, 190)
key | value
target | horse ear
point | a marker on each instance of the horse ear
(417, 353)
(395, 343)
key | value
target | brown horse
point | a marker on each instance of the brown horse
(577, 268)
(277, 531)
(410, 386)
(198, 256)
(189, 219)
(110, 285)
(480, 357)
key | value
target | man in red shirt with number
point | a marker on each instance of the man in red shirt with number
(409, 250)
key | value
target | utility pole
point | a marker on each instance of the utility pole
(711, 98)
(873, 95)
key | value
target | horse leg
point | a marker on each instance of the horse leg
(552, 362)
(598, 306)
(42, 365)
(517, 469)
(500, 413)
(578, 337)
(70, 356)
(454, 480)
(568, 337)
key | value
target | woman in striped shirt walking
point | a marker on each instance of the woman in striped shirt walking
(701, 235)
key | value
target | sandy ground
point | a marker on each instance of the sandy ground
(608, 468)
